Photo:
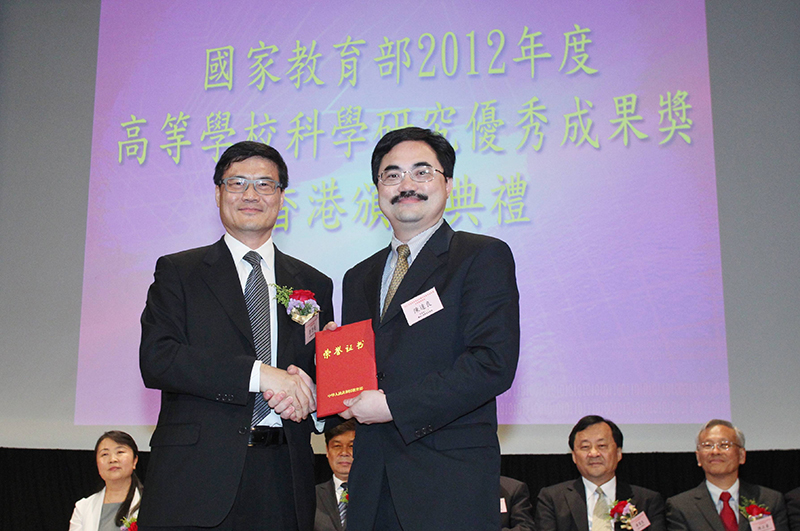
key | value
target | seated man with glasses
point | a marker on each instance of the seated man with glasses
(723, 502)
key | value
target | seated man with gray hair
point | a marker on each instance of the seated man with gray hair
(722, 502)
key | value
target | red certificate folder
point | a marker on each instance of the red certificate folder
(345, 365)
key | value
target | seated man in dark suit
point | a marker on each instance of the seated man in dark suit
(585, 504)
(332, 495)
(515, 505)
(722, 502)
(793, 508)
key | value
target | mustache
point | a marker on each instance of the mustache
(409, 193)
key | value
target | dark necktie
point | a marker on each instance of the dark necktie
(343, 506)
(400, 270)
(726, 514)
(256, 295)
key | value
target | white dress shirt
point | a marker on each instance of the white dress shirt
(716, 492)
(415, 245)
(609, 489)
(243, 268)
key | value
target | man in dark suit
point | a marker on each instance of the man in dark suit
(793, 508)
(516, 512)
(585, 503)
(447, 343)
(218, 459)
(718, 503)
(332, 499)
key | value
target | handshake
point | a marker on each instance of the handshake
(291, 393)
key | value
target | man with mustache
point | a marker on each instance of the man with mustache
(445, 310)
(585, 504)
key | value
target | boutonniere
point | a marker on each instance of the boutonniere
(345, 497)
(300, 303)
(622, 512)
(129, 524)
(752, 510)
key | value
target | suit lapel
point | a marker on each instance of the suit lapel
(331, 503)
(624, 492)
(285, 275)
(707, 507)
(746, 490)
(576, 501)
(221, 277)
(432, 256)
(372, 285)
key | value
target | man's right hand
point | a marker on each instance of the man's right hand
(288, 394)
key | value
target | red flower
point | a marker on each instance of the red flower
(755, 510)
(618, 508)
(134, 527)
(302, 295)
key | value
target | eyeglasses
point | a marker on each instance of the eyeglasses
(723, 446)
(239, 185)
(420, 174)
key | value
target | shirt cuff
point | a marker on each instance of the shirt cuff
(255, 377)
(319, 424)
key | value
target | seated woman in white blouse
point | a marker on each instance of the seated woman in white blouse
(116, 454)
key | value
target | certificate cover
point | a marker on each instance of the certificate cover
(345, 365)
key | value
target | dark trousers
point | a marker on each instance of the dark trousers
(265, 499)
(386, 517)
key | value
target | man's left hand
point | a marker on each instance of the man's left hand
(282, 404)
(369, 407)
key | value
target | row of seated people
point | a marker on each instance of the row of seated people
(598, 500)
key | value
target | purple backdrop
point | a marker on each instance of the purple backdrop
(616, 241)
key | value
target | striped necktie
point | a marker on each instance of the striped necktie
(256, 296)
(343, 500)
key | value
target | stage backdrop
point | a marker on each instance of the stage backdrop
(584, 140)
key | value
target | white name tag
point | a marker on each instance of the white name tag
(422, 306)
(312, 327)
(503, 508)
(764, 523)
(639, 522)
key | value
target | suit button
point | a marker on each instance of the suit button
(242, 431)
(381, 375)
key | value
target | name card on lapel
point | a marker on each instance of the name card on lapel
(422, 306)
(639, 522)
(763, 523)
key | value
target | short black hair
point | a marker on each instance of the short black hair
(246, 149)
(591, 420)
(339, 429)
(439, 144)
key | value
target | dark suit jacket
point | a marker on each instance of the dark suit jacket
(562, 507)
(327, 516)
(694, 510)
(441, 376)
(519, 512)
(793, 508)
(197, 348)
